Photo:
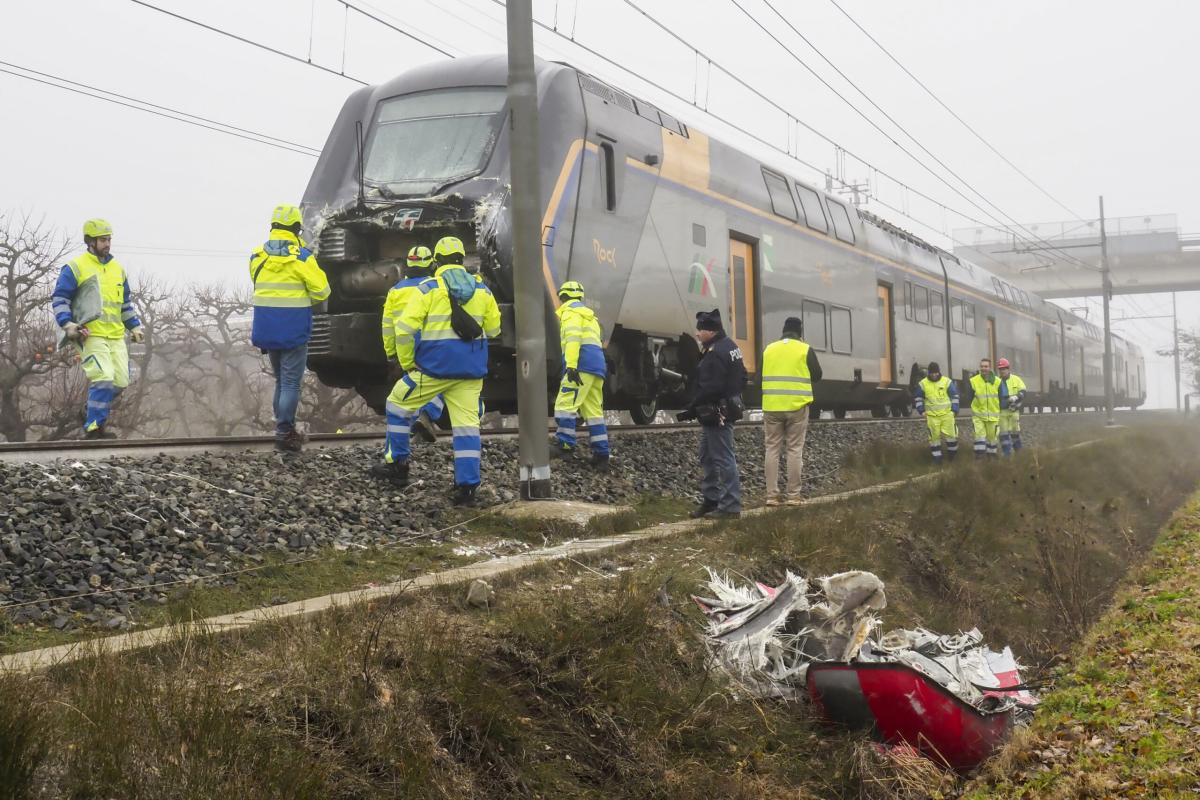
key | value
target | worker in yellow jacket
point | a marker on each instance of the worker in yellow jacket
(790, 367)
(985, 410)
(582, 388)
(1012, 395)
(417, 269)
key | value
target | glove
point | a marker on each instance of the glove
(954, 408)
(687, 415)
(75, 332)
(395, 371)
(137, 335)
(573, 376)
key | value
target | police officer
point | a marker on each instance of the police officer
(441, 343)
(936, 396)
(717, 405)
(985, 409)
(288, 282)
(101, 341)
(417, 269)
(1012, 395)
(582, 386)
(790, 368)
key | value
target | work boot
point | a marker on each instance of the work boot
(703, 509)
(99, 432)
(718, 514)
(561, 451)
(600, 463)
(395, 473)
(464, 495)
(290, 442)
(425, 428)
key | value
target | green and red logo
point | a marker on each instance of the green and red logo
(701, 281)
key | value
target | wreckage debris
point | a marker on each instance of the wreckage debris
(949, 696)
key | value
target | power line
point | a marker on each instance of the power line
(395, 28)
(151, 108)
(951, 111)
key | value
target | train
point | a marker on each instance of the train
(659, 221)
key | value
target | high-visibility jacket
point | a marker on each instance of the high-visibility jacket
(786, 382)
(117, 312)
(426, 340)
(398, 298)
(986, 401)
(936, 398)
(1011, 388)
(288, 282)
(579, 337)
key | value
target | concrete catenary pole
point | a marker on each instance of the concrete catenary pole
(1175, 348)
(1107, 289)
(529, 293)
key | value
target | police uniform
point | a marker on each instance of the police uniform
(790, 367)
(938, 401)
(437, 360)
(720, 378)
(985, 413)
(581, 390)
(1012, 394)
(288, 282)
(105, 356)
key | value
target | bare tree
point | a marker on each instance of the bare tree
(327, 409)
(31, 254)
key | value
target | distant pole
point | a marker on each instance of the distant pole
(1107, 288)
(529, 294)
(1175, 348)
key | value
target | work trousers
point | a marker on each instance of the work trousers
(942, 427)
(987, 438)
(288, 368)
(1010, 431)
(462, 399)
(586, 400)
(720, 485)
(780, 427)
(106, 365)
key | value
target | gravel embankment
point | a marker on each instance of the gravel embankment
(71, 527)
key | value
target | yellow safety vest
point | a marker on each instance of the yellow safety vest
(937, 397)
(111, 276)
(786, 383)
(1015, 386)
(986, 401)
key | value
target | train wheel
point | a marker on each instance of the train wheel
(839, 413)
(644, 413)
(879, 412)
(901, 410)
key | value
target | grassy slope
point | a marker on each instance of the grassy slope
(582, 686)
(1124, 719)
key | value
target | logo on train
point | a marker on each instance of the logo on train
(604, 254)
(405, 218)
(701, 281)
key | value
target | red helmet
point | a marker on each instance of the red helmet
(1002, 364)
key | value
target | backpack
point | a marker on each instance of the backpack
(460, 288)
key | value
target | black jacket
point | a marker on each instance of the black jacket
(721, 373)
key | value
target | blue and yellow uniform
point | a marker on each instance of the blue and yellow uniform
(582, 388)
(1012, 395)
(985, 413)
(937, 399)
(417, 270)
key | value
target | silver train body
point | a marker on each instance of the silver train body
(659, 221)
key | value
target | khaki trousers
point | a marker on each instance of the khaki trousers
(780, 427)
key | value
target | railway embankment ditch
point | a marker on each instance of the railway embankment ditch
(590, 679)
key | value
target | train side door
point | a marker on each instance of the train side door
(743, 314)
(1041, 372)
(887, 327)
(991, 337)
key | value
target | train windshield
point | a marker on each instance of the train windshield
(425, 140)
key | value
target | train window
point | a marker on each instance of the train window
(699, 235)
(841, 222)
(608, 175)
(937, 311)
(813, 315)
(956, 314)
(810, 203)
(781, 197)
(969, 318)
(921, 304)
(908, 299)
(840, 340)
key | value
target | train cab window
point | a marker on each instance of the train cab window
(608, 175)
(810, 203)
(699, 235)
(813, 315)
(781, 197)
(840, 339)
(841, 222)
(969, 318)
(956, 314)
(921, 304)
(908, 300)
(937, 311)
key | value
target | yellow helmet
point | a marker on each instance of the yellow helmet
(286, 216)
(447, 247)
(97, 227)
(419, 257)
(572, 290)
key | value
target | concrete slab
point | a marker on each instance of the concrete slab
(573, 511)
